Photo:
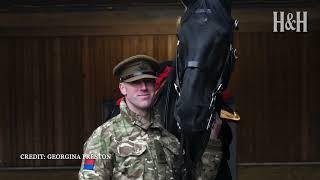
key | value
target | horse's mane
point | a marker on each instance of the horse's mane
(165, 97)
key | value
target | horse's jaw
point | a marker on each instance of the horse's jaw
(192, 107)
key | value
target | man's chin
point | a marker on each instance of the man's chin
(145, 105)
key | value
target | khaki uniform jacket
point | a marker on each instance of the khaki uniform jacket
(129, 147)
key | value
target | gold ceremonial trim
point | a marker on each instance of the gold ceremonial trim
(230, 116)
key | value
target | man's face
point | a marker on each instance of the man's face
(138, 94)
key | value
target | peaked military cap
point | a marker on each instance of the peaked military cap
(136, 67)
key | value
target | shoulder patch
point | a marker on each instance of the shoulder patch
(88, 164)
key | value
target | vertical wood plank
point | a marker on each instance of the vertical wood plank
(172, 46)
(58, 122)
(304, 116)
(100, 67)
(92, 95)
(13, 108)
(87, 114)
(72, 93)
(116, 55)
(37, 98)
(4, 100)
(313, 75)
(161, 47)
(20, 101)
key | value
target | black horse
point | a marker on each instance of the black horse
(192, 94)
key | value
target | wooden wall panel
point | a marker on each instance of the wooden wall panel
(271, 85)
(72, 97)
(5, 99)
(49, 61)
(312, 98)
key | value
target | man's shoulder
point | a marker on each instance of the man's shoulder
(110, 124)
(116, 126)
(107, 126)
(104, 131)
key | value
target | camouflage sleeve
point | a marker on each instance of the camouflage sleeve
(97, 158)
(211, 158)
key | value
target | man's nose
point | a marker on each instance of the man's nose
(143, 85)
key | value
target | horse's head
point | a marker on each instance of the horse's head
(205, 35)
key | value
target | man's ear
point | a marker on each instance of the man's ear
(122, 89)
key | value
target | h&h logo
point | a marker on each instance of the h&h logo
(293, 22)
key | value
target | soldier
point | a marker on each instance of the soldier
(134, 145)
(134, 142)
